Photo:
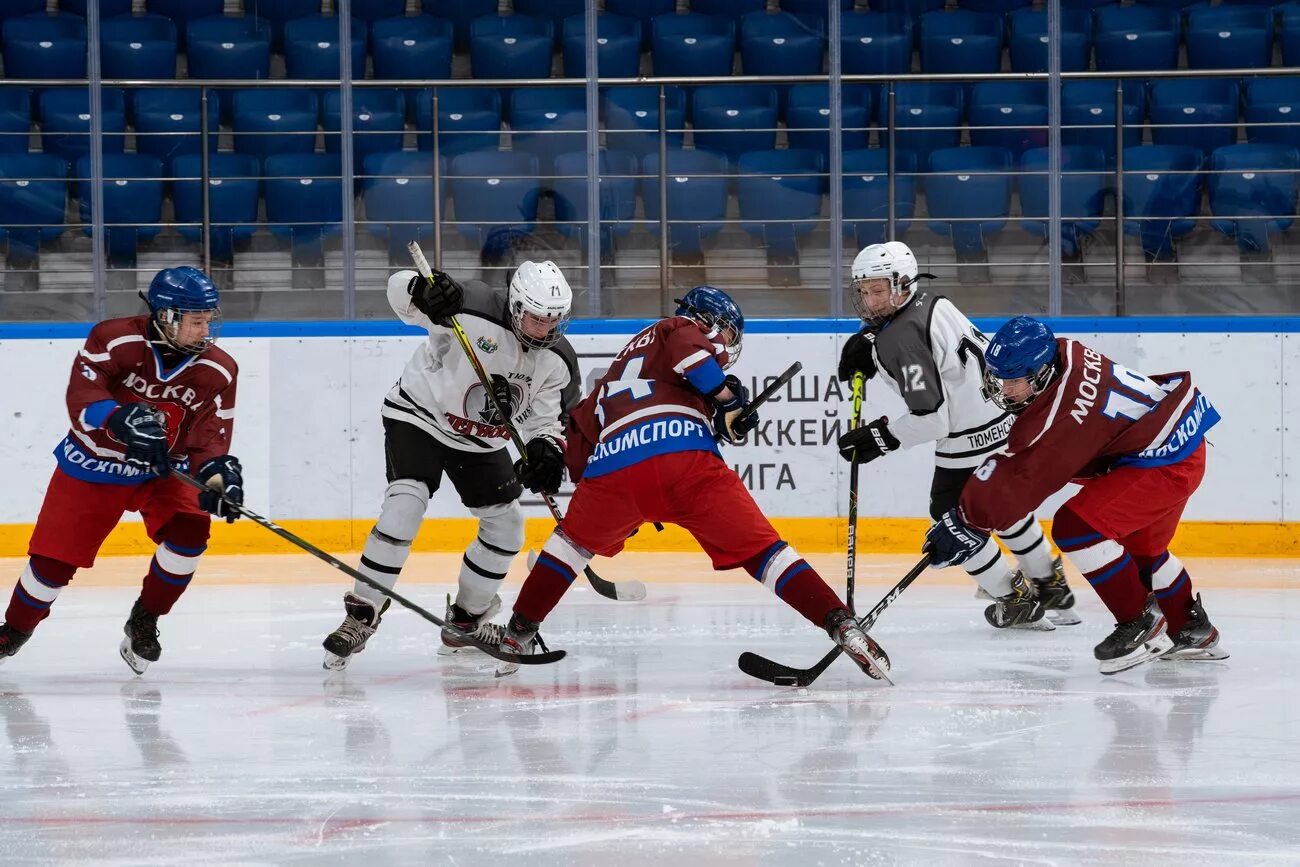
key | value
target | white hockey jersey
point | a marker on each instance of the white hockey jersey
(933, 357)
(440, 393)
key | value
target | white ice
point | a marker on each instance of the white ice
(647, 745)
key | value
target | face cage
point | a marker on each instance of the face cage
(719, 323)
(169, 326)
(1037, 382)
(561, 324)
(896, 299)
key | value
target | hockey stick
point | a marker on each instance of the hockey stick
(491, 650)
(851, 565)
(782, 675)
(627, 591)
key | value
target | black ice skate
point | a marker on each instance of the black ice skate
(1019, 609)
(1198, 639)
(1057, 597)
(1134, 642)
(10, 641)
(519, 637)
(857, 645)
(360, 623)
(475, 624)
(140, 647)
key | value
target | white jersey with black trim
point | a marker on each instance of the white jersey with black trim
(933, 357)
(441, 394)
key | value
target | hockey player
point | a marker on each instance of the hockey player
(931, 355)
(146, 393)
(643, 447)
(437, 419)
(1136, 445)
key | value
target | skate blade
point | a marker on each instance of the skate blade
(136, 663)
(448, 650)
(878, 673)
(1064, 617)
(1153, 648)
(1040, 625)
(505, 669)
(1196, 654)
(334, 663)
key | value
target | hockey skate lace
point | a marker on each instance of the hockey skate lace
(354, 631)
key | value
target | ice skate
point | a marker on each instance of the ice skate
(1019, 609)
(1056, 596)
(1134, 642)
(860, 647)
(140, 647)
(1198, 639)
(477, 625)
(360, 623)
(11, 640)
(519, 637)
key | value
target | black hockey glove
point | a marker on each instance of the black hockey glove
(141, 428)
(950, 542)
(224, 477)
(868, 442)
(730, 420)
(856, 355)
(543, 471)
(440, 299)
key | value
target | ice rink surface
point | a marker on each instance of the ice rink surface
(647, 745)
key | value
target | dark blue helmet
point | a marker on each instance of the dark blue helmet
(714, 308)
(1023, 348)
(175, 292)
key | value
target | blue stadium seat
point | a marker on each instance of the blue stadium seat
(866, 194)
(807, 120)
(1083, 193)
(275, 121)
(65, 121)
(1172, 4)
(1162, 193)
(143, 47)
(733, 119)
(168, 122)
(16, 8)
(1253, 191)
(1223, 37)
(643, 11)
(782, 44)
(378, 121)
(942, 119)
(999, 7)
(277, 12)
(780, 197)
(41, 47)
(556, 10)
(1136, 37)
(220, 47)
(398, 194)
(107, 8)
(373, 10)
(15, 119)
(1088, 114)
(736, 9)
(872, 43)
(1290, 35)
(999, 107)
(971, 200)
(632, 118)
(460, 13)
(818, 8)
(1210, 101)
(234, 190)
(931, 93)
(961, 41)
(304, 203)
(697, 200)
(548, 99)
(33, 201)
(548, 121)
(183, 12)
(495, 195)
(469, 119)
(132, 194)
(311, 47)
(618, 46)
(516, 46)
(909, 9)
(692, 45)
(1273, 111)
(418, 47)
(1028, 40)
(617, 185)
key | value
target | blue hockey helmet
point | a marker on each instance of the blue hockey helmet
(1023, 348)
(714, 308)
(175, 292)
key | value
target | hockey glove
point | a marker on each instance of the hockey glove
(543, 471)
(856, 355)
(868, 442)
(730, 420)
(224, 478)
(950, 542)
(140, 428)
(440, 299)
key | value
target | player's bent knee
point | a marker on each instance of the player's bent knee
(405, 501)
(501, 525)
(52, 571)
(187, 531)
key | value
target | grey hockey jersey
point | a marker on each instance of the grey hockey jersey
(440, 393)
(933, 357)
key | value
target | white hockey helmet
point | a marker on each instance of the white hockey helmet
(893, 261)
(540, 304)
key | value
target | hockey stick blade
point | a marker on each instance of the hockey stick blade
(625, 591)
(773, 672)
(495, 652)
